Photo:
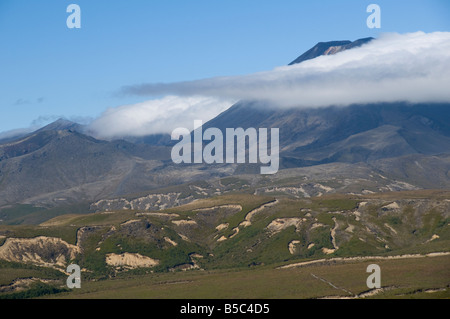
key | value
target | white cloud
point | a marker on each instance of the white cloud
(411, 67)
(16, 133)
(156, 116)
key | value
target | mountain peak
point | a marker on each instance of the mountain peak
(60, 125)
(329, 48)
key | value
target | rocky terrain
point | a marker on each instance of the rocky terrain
(237, 230)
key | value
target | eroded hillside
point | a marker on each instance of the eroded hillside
(234, 231)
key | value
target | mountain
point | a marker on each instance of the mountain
(153, 139)
(356, 133)
(329, 48)
(63, 164)
(62, 124)
(59, 164)
(321, 48)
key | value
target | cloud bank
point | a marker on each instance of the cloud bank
(411, 67)
(156, 116)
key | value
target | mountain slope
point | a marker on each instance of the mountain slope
(347, 134)
(357, 133)
(56, 160)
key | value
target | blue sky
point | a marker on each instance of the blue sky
(48, 70)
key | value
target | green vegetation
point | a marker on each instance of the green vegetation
(313, 226)
(32, 215)
(233, 181)
(11, 273)
(91, 258)
(409, 278)
(36, 290)
(357, 247)
(17, 214)
(66, 233)
(394, 221)
(334, 204)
